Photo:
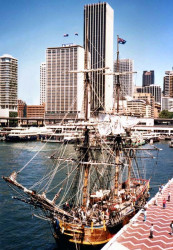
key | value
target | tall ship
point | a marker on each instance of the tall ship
(94, 188)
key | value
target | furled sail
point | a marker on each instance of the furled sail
(115, 124)
(104, 129)
(128, 121)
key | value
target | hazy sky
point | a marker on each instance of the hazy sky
(28, 27)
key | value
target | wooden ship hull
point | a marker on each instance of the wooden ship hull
(96, 235)
(82, 235)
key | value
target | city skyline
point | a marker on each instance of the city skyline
(28, 28)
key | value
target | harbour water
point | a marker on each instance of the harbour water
(19, 228)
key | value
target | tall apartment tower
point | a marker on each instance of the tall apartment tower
(64, 90)
(168, 84)
(98, 24)
(126, 81)
(148, 78)
(42, 83)
(8, 84)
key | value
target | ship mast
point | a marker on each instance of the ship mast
(118, 138)
(85, 147)
(129, 169)
(118, 77)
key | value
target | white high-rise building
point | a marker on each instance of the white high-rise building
(98, 20)
(42, 83)
(126, 80)
(168, 84)
(64, 90)
(8, 85)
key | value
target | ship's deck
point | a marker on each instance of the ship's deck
(135, 235)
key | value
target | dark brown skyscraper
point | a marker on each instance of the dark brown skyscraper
(148, 78)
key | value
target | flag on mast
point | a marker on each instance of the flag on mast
(121, 41)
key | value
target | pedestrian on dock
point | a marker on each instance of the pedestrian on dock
(171, 226)
(164, 203)
(151, 231)
(155, 202)
(145, 214)
(169, 196)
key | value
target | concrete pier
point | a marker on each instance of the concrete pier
(135, 235)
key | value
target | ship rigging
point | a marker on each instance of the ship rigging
(101, 182)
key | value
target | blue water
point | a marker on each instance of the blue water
(18, 228)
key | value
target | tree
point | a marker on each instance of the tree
(13, 123)
(166, 114)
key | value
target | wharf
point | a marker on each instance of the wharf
(135, 235)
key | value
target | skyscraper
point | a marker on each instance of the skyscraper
(64, 90)
(148, 78)
(168, 84)
(126, 81)
(8, 84)
(42, 83)
(98, 24)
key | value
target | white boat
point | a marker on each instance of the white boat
(18, 135)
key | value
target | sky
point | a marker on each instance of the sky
(28, 27)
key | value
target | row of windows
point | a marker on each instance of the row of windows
(62, 51)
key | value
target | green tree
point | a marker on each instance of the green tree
(13, 123)
(166, 114)
(13, 114)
